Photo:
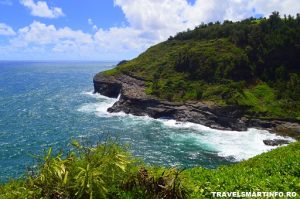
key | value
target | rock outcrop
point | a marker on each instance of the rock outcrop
(276, 142)
(134, 100)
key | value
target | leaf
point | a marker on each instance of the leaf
(66, 177)
(48, 154)
(121, 166)
(76, 144)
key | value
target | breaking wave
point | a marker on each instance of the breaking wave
(233, 145)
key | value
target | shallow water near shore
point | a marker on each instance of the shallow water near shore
(47, 104)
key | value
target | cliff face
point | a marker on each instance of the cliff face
(218, 75)
(107, 86)
(252, 63)
(135, 101)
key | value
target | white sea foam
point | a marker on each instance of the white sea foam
(100, 107)
(239, 145)
(96, 95)
(234, 144)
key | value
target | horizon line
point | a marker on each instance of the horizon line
(52, 60)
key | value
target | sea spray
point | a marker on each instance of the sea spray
(233, 145)
(100, 107)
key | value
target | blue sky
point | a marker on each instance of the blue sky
(76, 14)
(111, 29)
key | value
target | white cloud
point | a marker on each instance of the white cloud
(162, 18)
(95, 27)
(158, 19)
(283, 6)
(48, 41)
(41, 9)
(149, 22)
(152, 21)
(41, 34)
(121, 39)
(55, 41)
(91, 23)
(6, 30)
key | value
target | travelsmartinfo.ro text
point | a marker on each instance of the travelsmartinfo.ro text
(254, 194)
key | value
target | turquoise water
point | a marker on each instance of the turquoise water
(47, 104)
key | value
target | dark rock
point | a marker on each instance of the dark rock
(107, 88)
(134, 100)
(265, 124)
(291, 129)
(276, 142)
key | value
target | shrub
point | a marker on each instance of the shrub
(104, 171)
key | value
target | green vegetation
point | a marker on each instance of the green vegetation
(253, 63)
(277, 170)
(106, 171)
(109, 171)
(228, 64)
(262, 99)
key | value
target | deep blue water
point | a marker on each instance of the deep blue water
(47, 104)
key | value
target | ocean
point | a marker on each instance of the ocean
(48, 104)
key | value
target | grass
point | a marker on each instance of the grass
(277, 170)
(112, 71)
(263, 100)
(109, 171)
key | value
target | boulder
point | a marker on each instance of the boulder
(276, 142)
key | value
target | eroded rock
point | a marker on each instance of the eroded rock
(134, 100)
(276, 142)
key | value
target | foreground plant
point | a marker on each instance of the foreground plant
(104, 171)
(108, 171)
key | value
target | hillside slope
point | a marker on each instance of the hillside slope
(251, 66)
(253, 63)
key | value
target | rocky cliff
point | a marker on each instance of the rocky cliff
(135, 101)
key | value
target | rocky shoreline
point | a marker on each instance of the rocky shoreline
(135, 101)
